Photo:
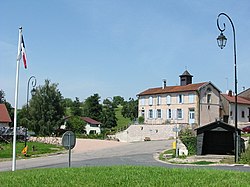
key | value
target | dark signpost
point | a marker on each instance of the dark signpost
(69, 142)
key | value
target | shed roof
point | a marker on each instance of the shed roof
(214, 125)
(4, 114)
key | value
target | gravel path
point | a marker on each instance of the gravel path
(86, 145)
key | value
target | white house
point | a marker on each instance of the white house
(92, 126)
(187, 103)
(228, 109)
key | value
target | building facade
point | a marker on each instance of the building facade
(228, 108)
(187, 103)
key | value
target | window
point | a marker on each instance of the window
(191, 98)
(243, 114)
(158, 113)
(150, 100)
(180, 98)
(168, 100)
(158, 100)
(150, 114)
(231, 113)
(142, 101)
(179, 114)
(143, 113)
(169, 114)
(208, 98)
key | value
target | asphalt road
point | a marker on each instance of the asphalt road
(139, 154)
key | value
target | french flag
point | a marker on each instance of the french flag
(23, 53)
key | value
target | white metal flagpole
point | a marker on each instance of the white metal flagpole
(16, 99)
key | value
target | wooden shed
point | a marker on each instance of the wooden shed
(216, 138)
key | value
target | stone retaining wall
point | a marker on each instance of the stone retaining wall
(48, 140)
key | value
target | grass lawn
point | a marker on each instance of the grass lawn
(124, 176)
(121, 121)
(39, 148)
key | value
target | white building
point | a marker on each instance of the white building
(187, 103)
(228, 109)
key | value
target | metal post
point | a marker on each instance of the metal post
(33, 83)
(176, 147)
(235, 81)
(69, 150)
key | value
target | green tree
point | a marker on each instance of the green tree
(76, 109)
(108, 112)
(76, 124)
(67, 102)
(130, 109)
(46, 109)
(23, 117)
(92, 108)
(118, 100)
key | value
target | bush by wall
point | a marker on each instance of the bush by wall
(188, 138)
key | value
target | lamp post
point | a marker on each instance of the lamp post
(222, 40)
(33, 84)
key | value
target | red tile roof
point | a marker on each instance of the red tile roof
(172, 89)
(240, 100)
(4, 114)
(91, 121)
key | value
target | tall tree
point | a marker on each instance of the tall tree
(130, 109)
(46, 109)
(76, 109)
(2, 95)
(67, 102)
(118, 100)
(108, 112)
(92, 108)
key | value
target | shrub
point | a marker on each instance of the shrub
(245, 157)
(141, 120)
(188, 138)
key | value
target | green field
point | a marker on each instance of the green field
(34, 149)
(122, 122)
(124, 176)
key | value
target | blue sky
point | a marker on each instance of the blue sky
(121, 47)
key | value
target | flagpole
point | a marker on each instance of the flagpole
(16, 100)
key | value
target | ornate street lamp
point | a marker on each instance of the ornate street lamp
(33, 84)
(221, 40)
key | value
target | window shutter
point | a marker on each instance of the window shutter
(182, 113)
(150, 100)
(167, 113)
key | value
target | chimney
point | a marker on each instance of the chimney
(230, 93)
(164, 83)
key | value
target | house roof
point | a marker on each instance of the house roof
(219, 125)
(240, 100)
(90, 121)
(4, 114)
(173, 89)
